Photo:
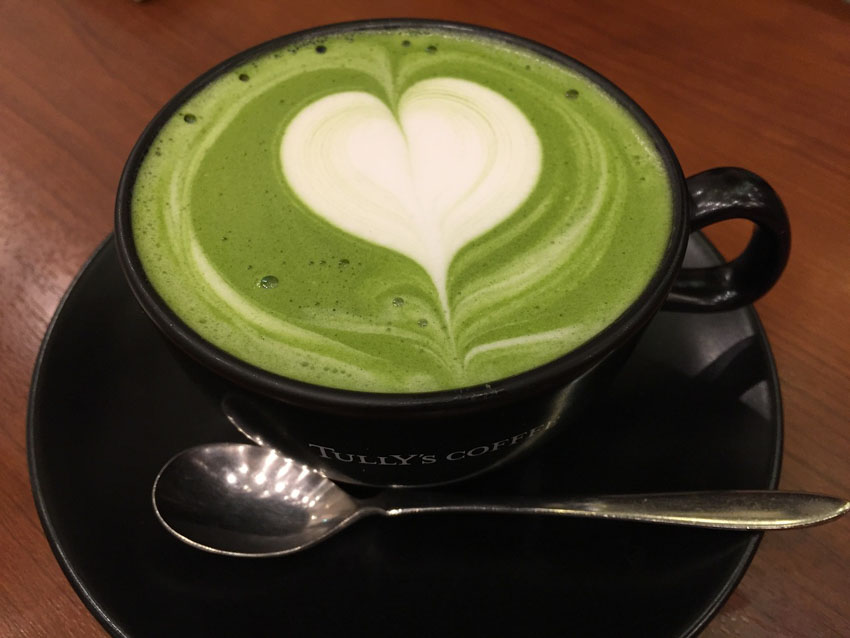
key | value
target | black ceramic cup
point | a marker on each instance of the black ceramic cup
(446, 436)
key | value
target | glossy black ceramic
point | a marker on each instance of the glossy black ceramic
(439, 437)
(696, 407)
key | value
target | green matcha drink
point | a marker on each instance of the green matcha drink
(400, 211)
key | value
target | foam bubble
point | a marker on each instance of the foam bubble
(267, 282)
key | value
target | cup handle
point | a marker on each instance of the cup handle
(732, 193)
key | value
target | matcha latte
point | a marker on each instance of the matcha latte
(400, 211)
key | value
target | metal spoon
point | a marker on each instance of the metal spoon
(246, 500)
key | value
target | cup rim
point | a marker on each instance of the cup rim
(555, 373)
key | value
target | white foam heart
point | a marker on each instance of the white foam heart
(454, 160)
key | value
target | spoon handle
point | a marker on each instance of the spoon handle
(729, 509)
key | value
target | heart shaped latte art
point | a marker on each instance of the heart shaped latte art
(454, 160)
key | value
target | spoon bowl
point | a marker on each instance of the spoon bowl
(237, 499)
(247, 500)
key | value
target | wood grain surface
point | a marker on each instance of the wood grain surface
(763, 84)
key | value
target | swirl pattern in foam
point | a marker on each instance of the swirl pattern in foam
(436, 211)
(455, 160)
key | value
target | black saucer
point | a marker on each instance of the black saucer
(697, 407)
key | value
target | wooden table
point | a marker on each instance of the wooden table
(763, 84)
